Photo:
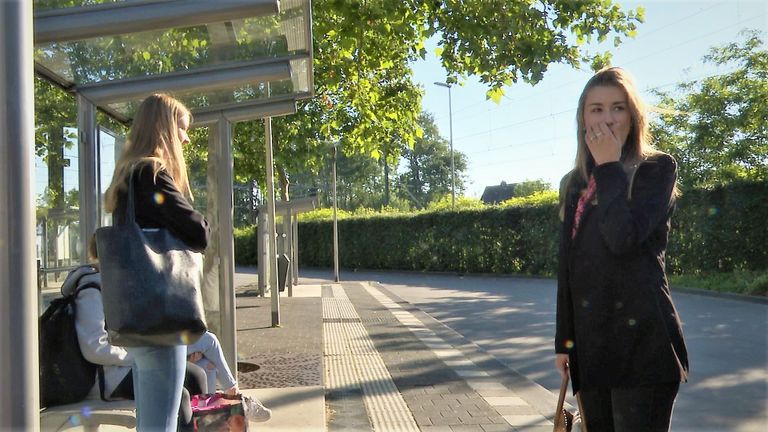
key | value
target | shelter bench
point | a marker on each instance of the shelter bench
(90, 415)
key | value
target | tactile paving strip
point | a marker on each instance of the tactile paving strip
(352, 361)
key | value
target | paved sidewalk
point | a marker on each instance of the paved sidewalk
(354, 356)
(384, 365)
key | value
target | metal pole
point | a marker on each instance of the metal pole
(227, 310)
(295, 248)
(19, 368)
(262, 247)
(288, 248)
(335, 223)
(453, 170)
(272, 234)
(88, 172)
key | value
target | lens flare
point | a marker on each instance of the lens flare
(569, 344)
(632, 322)
(74, 420)
(713, 211)
(159, 198)
(186, 339)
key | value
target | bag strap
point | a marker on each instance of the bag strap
(86, 286)
(130, 211)
(561, 397)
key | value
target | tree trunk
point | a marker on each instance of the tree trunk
(282, 177)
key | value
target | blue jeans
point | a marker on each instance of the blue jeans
(158, 377)
(213, 362)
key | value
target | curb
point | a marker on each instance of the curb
(686, 290)
(724, 295)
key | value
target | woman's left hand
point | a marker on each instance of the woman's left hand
(603, 144)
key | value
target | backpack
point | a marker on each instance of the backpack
(65, 375)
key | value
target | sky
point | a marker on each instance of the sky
(530, 134)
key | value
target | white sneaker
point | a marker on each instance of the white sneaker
(255, 411)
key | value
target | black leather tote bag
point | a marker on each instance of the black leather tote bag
(150, 284)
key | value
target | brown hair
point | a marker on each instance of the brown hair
(638, 145)
(93, 252)
(153, 140)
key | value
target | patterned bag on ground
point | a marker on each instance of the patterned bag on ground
(566, 421)
(218, 412)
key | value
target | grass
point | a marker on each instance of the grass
(737, 282)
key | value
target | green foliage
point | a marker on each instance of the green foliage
(488, 240)
(529, 187)
(246, 246)
(366, 98)
(720, 230)
(427, 175)
(718, 239)
(323, 214)
(462, 203)
(738, 281)
(716, 128)
(540, 198)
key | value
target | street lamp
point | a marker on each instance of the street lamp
(450, 127)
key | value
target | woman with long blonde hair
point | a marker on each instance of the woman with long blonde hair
(153, 159)
(618, 333)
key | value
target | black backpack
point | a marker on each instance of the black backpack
(65, 375)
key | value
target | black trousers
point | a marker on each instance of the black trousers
(635, 409)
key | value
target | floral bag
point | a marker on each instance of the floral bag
(218, 412)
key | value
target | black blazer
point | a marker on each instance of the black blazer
(159, 204)
(615, 316)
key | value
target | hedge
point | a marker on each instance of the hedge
(717, 230)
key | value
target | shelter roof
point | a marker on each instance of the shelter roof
(215, 56)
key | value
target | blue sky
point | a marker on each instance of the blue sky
(530, 134)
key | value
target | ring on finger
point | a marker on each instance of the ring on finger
(597, 134)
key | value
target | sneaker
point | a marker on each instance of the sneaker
(255, 411)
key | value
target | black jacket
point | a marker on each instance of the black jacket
(615, 316)
(159, 204)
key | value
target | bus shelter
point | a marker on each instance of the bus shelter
(228, 61)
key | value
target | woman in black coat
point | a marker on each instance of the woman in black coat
(154, 159)
(618, 333)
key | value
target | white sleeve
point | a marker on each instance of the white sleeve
(92, 333)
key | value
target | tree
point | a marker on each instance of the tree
(363, 79)
(428, 173)
(362, 54)
(530, 187)
(716, 127)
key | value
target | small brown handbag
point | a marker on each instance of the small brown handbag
(566, 421)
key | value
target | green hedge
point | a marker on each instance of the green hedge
(718, 230)
(493, 240)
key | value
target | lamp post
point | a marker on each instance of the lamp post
(450, 128)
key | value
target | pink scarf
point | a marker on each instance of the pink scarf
(586, 197)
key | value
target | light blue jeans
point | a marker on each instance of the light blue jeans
(213, 362)
(158, 377)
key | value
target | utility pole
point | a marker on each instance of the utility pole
(450, 127)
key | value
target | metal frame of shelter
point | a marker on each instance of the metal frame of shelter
(242, 60)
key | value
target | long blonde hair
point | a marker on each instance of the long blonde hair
(153, 140)
(638, 145)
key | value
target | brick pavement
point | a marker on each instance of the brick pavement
(287, 356)
(444, 382)
(449, 384)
